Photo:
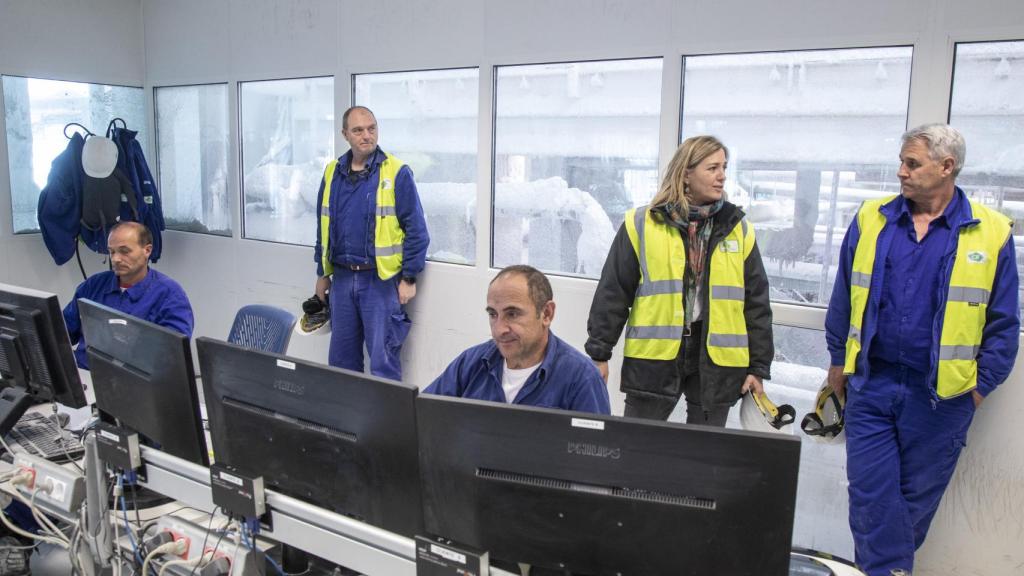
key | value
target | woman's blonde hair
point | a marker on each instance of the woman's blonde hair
(690, 153)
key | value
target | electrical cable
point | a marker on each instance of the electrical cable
(61, 440)
(6, 446)
(17, 530)
(116, 566)
(216, 546)
(252, 546)
(175, 546)
(127, 526)
(44, 521)
(206, 536)
(193, 562)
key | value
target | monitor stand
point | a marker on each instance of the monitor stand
(294, 561)
(139, 498)
(13, 404)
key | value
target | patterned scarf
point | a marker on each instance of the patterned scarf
(698, 231)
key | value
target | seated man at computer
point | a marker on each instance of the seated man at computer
(524, 362)
(131, 287)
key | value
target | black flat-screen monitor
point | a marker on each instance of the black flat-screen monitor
(144, 380)
(36, 361)
(337, 439)
(606, 495)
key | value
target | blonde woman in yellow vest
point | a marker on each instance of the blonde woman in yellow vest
(371, 243)
(923, 322)
(684, 278)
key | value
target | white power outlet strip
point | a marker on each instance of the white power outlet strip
(195, 534)
(55, 486)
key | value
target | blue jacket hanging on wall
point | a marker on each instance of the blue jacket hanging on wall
(60, 202)
(132, 162)
(74, 205)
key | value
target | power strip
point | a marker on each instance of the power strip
(194, 534)
(55, 487)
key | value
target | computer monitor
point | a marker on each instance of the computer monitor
(144, 380)
(337, 439)
(606, 495)
(36, 362)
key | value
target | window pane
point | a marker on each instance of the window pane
(822, 504)
(811, 135)
(192, 150)
(576, 145)
(428, 119)
(287, 131)
(36, 112)
(987, 108)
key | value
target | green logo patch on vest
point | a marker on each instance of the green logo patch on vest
(730, 246)
(976, 257)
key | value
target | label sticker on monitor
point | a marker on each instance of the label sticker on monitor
(119, 321)
(108, 435)
(584, 423)
(230, 478)
(286, 364)
(448, 554)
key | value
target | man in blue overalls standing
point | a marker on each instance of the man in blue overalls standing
(371, 243)
(924, 322)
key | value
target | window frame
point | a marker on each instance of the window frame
(791, 306)
(37, 229)
(227, 163)
(495, 68)
(241, 151)
(476, 183)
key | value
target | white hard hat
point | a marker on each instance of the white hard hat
(825, 423)
(759, 414)
(99, 157)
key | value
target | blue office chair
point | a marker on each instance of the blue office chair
(265, 328)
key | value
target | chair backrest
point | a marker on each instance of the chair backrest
(265, 328)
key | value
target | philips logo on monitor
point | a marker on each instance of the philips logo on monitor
(596, 450)
(290, 387)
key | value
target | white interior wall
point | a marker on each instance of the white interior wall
(978, 530)
(78, 41)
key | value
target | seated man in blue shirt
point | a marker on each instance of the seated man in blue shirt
(524, 362)
(131, 287)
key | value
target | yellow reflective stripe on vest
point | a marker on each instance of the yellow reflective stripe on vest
(870, 223)
(727, 326)
(388, 236)
(325, 219)
(656, 319)
(654, 330)
(970, 285)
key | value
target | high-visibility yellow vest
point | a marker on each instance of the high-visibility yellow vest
(963, 314)
(656, 320)
(388, 234)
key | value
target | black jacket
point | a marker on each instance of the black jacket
(720, 385)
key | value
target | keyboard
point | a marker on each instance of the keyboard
(40, 436)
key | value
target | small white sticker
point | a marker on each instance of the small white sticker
(118, 321)
(147, 199)
(730, 246)
(229, 478)
(448, 554)
(286, 364)
(109, 436)
(585, 423)
(977, 257)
